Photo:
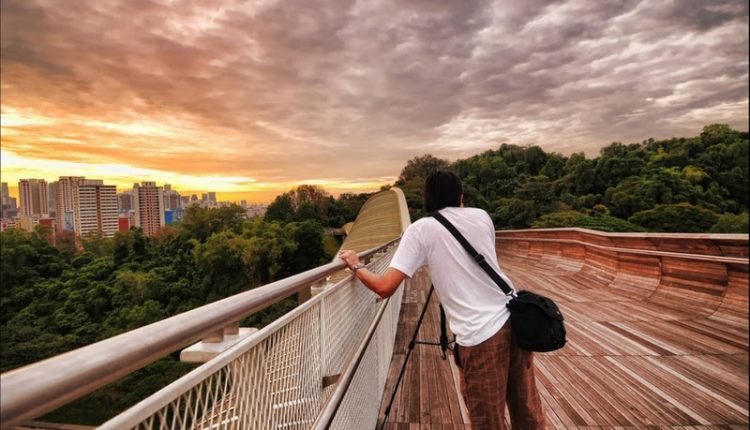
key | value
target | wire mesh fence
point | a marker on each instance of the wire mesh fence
(276, 378)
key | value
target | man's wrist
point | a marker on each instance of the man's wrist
(356, 267)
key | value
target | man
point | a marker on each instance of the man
(495, 369)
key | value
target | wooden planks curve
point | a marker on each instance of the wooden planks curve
(657, 328)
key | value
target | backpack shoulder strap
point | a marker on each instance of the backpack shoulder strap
(477, 257)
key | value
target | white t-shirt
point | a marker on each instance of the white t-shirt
(473, 303)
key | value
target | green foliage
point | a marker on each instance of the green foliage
(681, 217)
(558, 219)
(56, 298)
(607, 223)
(731, 223)
(281, 209)
(344, 209)
(200, 223)
(519, 184)
(310, 202)
(515, 213)
(599, 210)
(421, 167)
(598, 221)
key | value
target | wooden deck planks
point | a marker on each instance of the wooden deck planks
(429, 395)
(665, 347)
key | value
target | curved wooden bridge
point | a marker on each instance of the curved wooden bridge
(657, 328)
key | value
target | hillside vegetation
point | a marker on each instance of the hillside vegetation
(56, 297)
(696, 184)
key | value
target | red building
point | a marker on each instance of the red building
(123, 223)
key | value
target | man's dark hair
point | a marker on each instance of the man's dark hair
(442, 189)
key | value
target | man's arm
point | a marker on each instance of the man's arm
(383, 285)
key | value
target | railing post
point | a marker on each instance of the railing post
(323, 351)
(304, 295)
(232, 329)
(214, 337)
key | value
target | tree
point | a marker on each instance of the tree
(539, 190)
(731, 223)
(65, 242)
(514, 213)
(554, 166)
(681, 217)
(200, 223)
(225, 265)
(558, 219)
(630, 196)
(716, 134)
(421, 167)
(130, 246)
(607, 223)
(309, 252)
(345, 208)
(281, 209)
(305, 202)
(97, 244)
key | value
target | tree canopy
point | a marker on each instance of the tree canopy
(520, 185)
(56, 298)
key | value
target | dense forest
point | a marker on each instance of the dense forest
(697, 184)
(58, 294)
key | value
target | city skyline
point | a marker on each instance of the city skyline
(252, 99)
(231, 197)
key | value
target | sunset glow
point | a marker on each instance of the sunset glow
(249, 100)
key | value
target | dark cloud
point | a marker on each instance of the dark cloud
(303, 89)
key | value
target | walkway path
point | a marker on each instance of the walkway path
(636, 358)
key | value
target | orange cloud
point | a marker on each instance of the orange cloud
(257, 96)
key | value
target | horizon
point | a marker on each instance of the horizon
(268, 195)
(251, 100)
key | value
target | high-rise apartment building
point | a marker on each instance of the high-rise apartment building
(95, 208)
(52, 197)
(8, 203)
(33, 195)
(172, 199)
(125, 201)
(4, 194)
(148, 202)
(212, 196)
(64, 209)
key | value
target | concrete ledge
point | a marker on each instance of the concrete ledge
(201, 352)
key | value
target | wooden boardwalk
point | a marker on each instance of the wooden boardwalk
(655, 341)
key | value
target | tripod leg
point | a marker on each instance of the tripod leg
(412, 343)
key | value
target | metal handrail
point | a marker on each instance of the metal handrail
(41, 387)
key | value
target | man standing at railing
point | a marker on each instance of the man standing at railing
(494, 368)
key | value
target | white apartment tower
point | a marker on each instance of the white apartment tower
(64, 208)
(33, 195)
(148, 203)
(95, 208)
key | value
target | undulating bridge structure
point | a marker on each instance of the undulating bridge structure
(657, 327)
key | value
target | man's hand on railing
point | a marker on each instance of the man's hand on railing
(351, 259)
(383, 285)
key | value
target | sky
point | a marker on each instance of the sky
(252, 98)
